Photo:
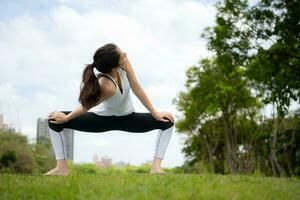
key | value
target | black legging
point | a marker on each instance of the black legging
(90, 122)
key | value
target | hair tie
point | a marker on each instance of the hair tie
(96, 71)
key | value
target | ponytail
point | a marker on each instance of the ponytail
(105, 59)
(89, 88)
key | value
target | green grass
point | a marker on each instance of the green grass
(114, 184)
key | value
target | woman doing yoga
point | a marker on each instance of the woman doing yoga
(106, 104)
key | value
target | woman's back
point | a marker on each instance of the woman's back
(118, 104)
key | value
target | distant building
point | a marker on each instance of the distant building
(42, 129)
(4, 126)
(1, 122)
(43, 133)
(95, 158)
(105, 161)
(69, 137)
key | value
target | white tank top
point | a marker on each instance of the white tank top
(119, 104)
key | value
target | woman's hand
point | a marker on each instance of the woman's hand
(58, 117)
(163, 116)
(123, 60)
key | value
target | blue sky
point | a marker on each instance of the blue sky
(11, 9)
(45, 44)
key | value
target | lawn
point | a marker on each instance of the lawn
(123, 185)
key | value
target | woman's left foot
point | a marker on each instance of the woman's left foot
(57, 172)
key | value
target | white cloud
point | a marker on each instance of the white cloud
(42, 58)
(8, 93)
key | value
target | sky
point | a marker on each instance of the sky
(45, 44)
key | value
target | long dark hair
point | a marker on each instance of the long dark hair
(105, 59)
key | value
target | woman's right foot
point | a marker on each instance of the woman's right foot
(157, 171)
(57, 172)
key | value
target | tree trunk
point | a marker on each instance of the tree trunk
(276, 167)
(210, 155)
(228, 141)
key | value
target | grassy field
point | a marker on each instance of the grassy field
(114, 184)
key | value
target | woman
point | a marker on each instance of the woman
(106, 105)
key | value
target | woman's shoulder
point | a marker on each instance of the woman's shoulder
(107, 87)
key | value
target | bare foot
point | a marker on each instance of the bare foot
(157, 171)
(57, 172)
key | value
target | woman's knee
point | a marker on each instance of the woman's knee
(167, 125)
(55, 127)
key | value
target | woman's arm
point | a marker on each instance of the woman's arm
(58, 117)
(136, 87)
(78, 111)
(107, 89)
(140, 93)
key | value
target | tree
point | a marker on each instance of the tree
(275, 66)
(220, 84)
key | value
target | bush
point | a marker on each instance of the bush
(8, 158)
(17, 156)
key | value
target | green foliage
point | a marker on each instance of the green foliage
(15, 153)
(226, 133)
(8, 158)
(18, 156)
(90, 168)
(275, 70)
(42, 155)
(220, 86)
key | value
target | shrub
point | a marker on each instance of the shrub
(18, 156)
(15, 154)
